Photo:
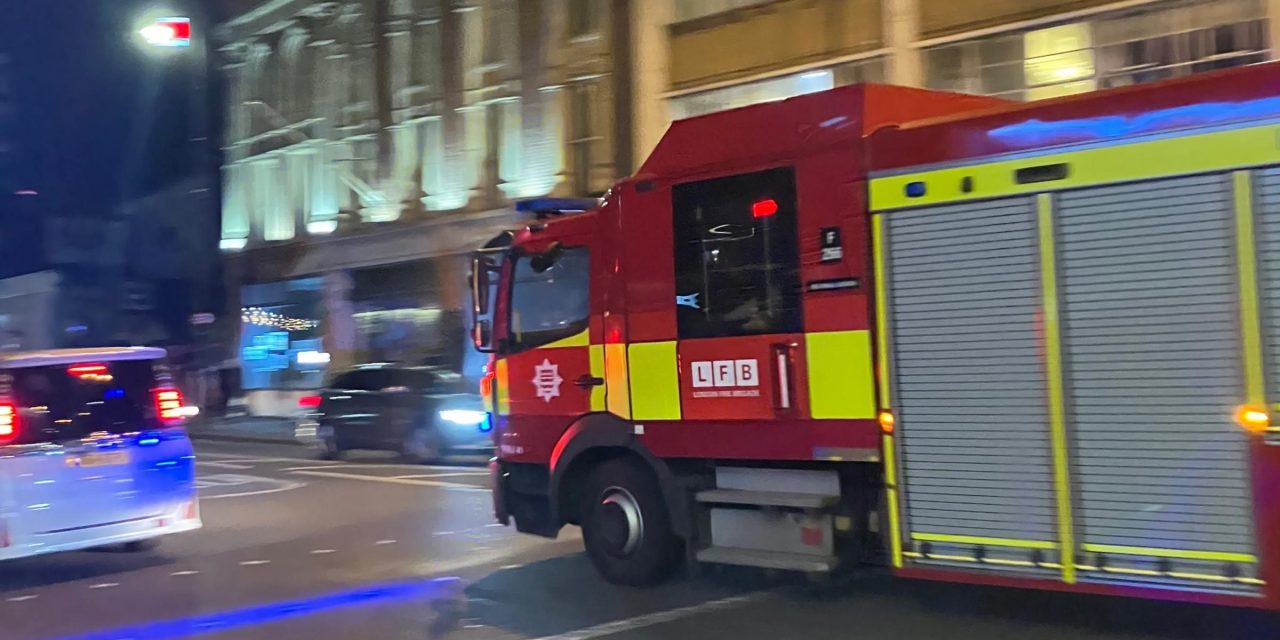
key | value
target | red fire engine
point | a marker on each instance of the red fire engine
(1013, 344)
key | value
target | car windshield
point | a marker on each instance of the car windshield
(632, 319)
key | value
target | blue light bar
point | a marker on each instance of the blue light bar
(556, 205)
(1038, 132)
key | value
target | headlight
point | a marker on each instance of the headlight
(465, 417)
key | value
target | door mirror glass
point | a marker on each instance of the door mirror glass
(480, 284)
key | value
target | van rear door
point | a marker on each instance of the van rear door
(91, 449)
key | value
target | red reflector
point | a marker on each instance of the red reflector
(309, 402)
(764, 208)
(87, 370)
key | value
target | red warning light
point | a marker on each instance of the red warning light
(764, 208)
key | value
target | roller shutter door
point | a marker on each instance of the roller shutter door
(1267, 190)
(1147, 276)
(969, 388)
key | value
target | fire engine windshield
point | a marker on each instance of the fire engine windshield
(551, 303)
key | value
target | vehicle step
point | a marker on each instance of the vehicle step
(768, 559)
(766, 498)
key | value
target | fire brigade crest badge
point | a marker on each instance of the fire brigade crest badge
(546, 379)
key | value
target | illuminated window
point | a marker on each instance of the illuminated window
(1109, 50)
(779, 88)
(583, 136)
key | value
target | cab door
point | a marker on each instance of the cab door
(738, 297)
(546, 365)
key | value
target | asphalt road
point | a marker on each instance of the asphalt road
(368, 548)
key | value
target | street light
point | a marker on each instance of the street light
(167, 32)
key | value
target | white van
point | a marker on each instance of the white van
(92, 451)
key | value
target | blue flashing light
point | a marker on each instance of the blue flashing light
(915, 189)
(113, 393)
(275, 612)
(556, 205)
(487, 425)
(1039, 132)
(149, 441)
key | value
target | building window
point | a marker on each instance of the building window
(737, 256)
(500, 35)
(550, 298)
(583, 17)
(582, 135)
(694, 9)
(1111, 50)
(779, 88)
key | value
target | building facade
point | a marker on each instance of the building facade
(720, 54)
(372, 144)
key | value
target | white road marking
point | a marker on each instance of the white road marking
(443, 533)
(21, 598)
(456, 486)
(254, 563)
(494, 524)
(104, 585)
(446, 475)
(243, 459)
(184, 573)
(224, 465)
(508, 567)
(651, 619)
(323, 552)
(386, 542)
(359, 465)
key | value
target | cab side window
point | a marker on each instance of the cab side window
(549, 302)
(737, 256)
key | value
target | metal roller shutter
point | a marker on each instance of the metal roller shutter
(1267, 190)
(969, 388)
(1153, 371)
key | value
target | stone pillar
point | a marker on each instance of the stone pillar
(901, 31)
(651, 58)
(339, 321)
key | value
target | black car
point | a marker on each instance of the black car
(423, 413)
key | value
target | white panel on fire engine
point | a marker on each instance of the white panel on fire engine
(969, 386)
(1153, 376)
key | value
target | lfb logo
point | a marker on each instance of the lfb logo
(739, 378)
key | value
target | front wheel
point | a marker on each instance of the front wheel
(626, 527)
(421, 445)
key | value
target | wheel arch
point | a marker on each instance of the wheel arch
(592, 440)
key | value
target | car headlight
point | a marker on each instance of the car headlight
(465, 417)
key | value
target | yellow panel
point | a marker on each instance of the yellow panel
(596, 354)
(1053, 376)
(655, 380)
(1247, 266)
(1204, 153)
(1177, 554)
(882, 308)
(841, 375)
(986, 542)
(502, 386)
(618, 388)
(577, 340)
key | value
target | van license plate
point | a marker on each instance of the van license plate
(111, 459)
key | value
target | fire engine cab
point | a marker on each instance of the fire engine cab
(1017, 344)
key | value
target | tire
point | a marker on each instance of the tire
(625, 525)
(420, 446)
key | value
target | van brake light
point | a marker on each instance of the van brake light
(8, 421)
(169, 405)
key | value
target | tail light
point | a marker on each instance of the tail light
(168, 404)
(8, 422)
(309, 402)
